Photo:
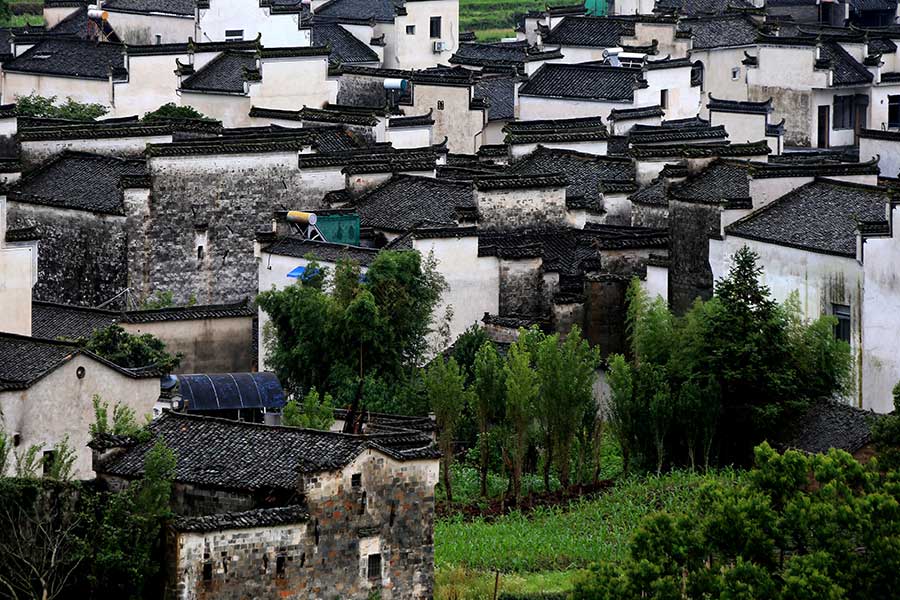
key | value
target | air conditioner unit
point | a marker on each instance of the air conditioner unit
(441, 46)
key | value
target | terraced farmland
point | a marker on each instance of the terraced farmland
(494, 19)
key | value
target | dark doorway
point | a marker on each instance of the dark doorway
(823, 127)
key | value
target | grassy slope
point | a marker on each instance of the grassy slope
(493, 19)
(546, 549)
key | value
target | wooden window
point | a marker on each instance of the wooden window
(842, 328)
(664, 99)
(894, 111)
(410, 30)
(279, 566)
(356, 480)
(842, 117)
(434, 27)
(735, 73)
(234, 35)
(374, 570)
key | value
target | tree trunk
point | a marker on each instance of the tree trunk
(484, 462)
(564, 459)
(447, 487)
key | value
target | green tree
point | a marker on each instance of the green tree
(131, 351)
(522, 389)
(489, 388)
(123, 420)
(383, 318)
(796, 526)
(466, 348)
(34, 105)
(171, 110)
(445, 386)
(624, 413)
(315, 413)
(160, 299)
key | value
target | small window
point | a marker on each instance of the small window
(735, 73)
(158, 39)
(279, 566)
(434, 27)
(842, 328)
(440, 105)
(199, 252)
(697, 74)
(356, 480)
(207, 571)
(410, 30)
(664, 99)
(843, 112)
(374, 566)
(894, 112)
(234, 35)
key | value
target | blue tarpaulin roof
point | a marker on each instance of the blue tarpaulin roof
(230, 391)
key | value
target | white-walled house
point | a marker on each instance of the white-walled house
(559, 91)
(279, 24)
(46, 391)
(717, 49)
(882, 144)
(128, 21)
(747, 121)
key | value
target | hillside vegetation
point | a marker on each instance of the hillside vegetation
(493, 19)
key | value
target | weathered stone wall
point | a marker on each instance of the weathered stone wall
(690, 276)
(361, 91)
(82, 255)
(521, 287)
(521, 208)
(794, 106)
(219, 203)
(646, 215)
(193, 501)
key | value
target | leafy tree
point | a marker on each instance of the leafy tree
(522, 389)
(6, 450)
(160, 299)
(131, 351)
(170, 110)
(126, 545)
(28, 462)
(123, 420)
(58, 463)
(624, 412)
(466, 348)
(445, 386)
(488, 399)
(384, 318)
(797, 526)
(886, 437)
(34, 105)
(315, 413)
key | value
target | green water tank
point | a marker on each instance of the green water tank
(340, 228)
(596, 8)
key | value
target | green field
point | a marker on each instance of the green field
(493, 19)
(547, 548)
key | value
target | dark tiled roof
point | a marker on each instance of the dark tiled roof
(260, 517)
(721, 31)
(23, 234)
(828, 424)
(224, 74)
(405, 202)
(586, 172)
(71, 58)
(867, 5)
(820, 216)
(24, 360)
(247, 456)
(520, 181)
(104, 129)
(739, 106)
(699, 150)
(663, 134)
(500, 94)
(882, 46)
(299, 247)
(355, 10)
(588, 82)
(78, 181)
(320, 115)
(345, 47)
(698, 8)
(654, 194)
(381, 159)
(845, 69)
(641, 112)
(412, 120)
(190, 313)
(878, 134)
(500, 53)
(261, 140)
(721, 182)
(556, 130)
(816, 166)
(53, 321)
(601, 32)
(172, 7)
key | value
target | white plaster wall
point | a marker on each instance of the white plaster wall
(291, 83)
(416, 51)
(53, 15)
(9, 126)
(888, 150)
(82, 90)
(581, 54)
(683, 99)
(717, 79)
(143, 28)
(409, 137)
(837, 137)
(473, 281)
(597, 147)
(878, 104)
(539, 107)
(656, 283)
(232, 109)
(38, 151)
(152, 82)
(16, 280)
(881, 319)
(278, 30)
(624, 126)
(741, 127)
(455, 121)
(632, 7)
(819, 279)
(789, 67)
(648, 170)
(60, 404)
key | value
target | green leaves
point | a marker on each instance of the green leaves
(131, 351)
(34, 105)
(315, 413)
